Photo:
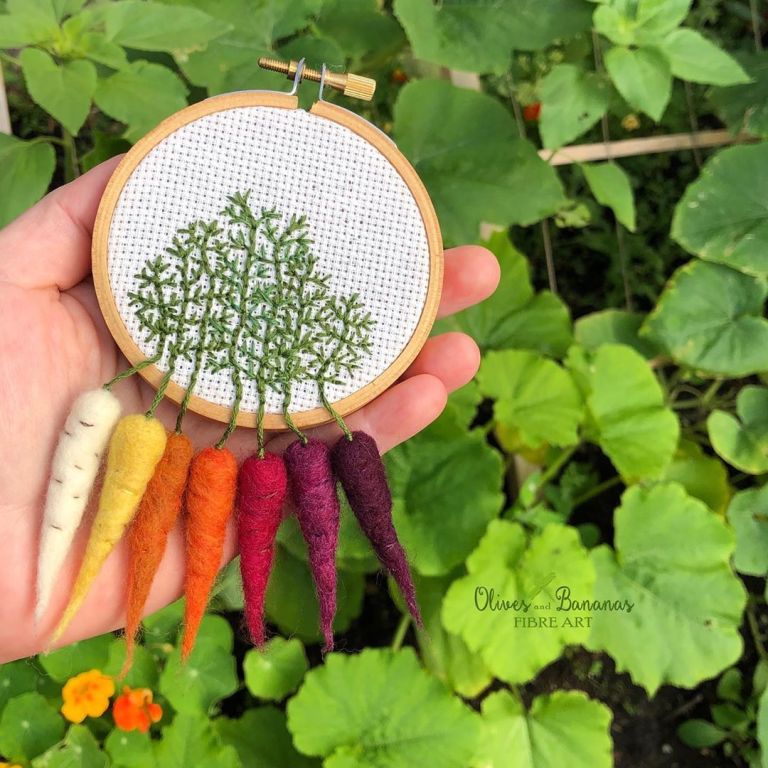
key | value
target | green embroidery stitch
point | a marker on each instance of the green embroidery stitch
(245, 295)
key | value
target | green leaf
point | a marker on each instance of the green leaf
(642, 76)
(700, 733)
(77, 657)
(379, 708)
(630, 22)
(63, 90)
(141, 96)
(702, 476)
(461, 143)
(291, 601)
(762, 723)
(208, 675)
(262, 740)
(723, 215)
(150, 26)
(52, 11)
(28, 726)
(445, 655)
(17, 677)
(26, 170)
(453, 487)
(532, 395)
(513, 316)
(745, 107)
(611, 188)
(694, 58)
(191, 740)
(743, 441)
(28, 22)
(517, 642)
(105, 146)
(613, 326)
(672, 564)
(130, 749)
(562, 728)
(78, 750)
(572, 101)
(635, 429)
(480, 36)
(95, 47)
(710, 318)
(144, 671)
(730, 684)
(163, 625)
(274, 671)
(747, 515)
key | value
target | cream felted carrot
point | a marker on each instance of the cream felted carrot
(75, 465)
(136, 447)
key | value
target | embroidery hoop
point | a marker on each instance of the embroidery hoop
(320, 109)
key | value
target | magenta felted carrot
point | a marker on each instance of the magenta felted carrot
(363, 476)
(262, 488)
(313, 488)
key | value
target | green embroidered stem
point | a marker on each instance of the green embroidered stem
(336, 415)
(134, 369)
(289, 421)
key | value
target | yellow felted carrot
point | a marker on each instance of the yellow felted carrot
(136, 447)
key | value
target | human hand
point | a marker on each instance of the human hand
(54, 345)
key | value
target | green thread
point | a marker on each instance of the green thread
(130, 371)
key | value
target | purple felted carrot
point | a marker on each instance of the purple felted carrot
(313, 488)
(262, 487)
(361, 472)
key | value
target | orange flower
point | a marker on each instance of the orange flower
(86, 695)
(134, 710)
(9, 765)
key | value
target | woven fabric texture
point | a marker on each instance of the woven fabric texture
(366, 228)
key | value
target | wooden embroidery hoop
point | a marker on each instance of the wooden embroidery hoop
(322, 109)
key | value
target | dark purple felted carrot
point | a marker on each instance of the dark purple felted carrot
(262, 487)
(361, 473)
(313, 488)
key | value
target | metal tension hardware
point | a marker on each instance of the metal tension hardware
(356, 86)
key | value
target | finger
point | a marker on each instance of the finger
(50, 244)
(471, 275)
(452, 357)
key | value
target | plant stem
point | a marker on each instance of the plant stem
(756, 31)
(551, 471)
(71, 168)
(400, 632)
(755, 630)
(596, 490)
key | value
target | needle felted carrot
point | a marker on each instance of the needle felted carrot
(211, 492)
(75, 465)
(313, 488)
(135, 449)
(363, 476)
(158, 512)
(262, 488)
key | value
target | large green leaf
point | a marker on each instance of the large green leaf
(613, 326)
(479, 36)
(379, 708)
(533, 395)
(190, 740)
(141, 96)
(130, 749)
(572, 101)
(262, 740)
(745, 107)
(514, 316)
(518, 639)
(564, 728)
(642, 76)
(17, 677)
(152, 26)
(63, 90)
(637, 22)
(462, 144)
(672, 564)
(748, 514)
(743, 441)
(445, 492)
(28, 22)
(77, 657)
(723, 215)
(144, 669)
(696, 59)
(26, 169)
(635, 429)
(274, 671)
(710, 318)
(28, 726)
(611, 187)
(703, 476)
(79, 749)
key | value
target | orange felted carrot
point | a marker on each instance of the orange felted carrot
(211, 493)
(147, 536)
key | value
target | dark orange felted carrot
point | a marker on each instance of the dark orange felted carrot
(262, 487)
(362, 474)
(313, 488)
(211, 492)
(148, 534)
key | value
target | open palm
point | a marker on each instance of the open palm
(54, 345)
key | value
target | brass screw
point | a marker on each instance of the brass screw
(356, 86)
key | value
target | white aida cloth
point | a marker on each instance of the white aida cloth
(366, 227)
